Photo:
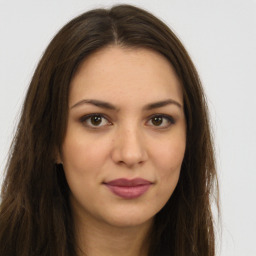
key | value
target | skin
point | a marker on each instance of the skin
(125, 143)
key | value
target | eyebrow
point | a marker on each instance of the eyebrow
(106, 105)
(160, 104)
(98, 103)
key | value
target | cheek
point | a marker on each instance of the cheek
(168, 160)
(83, 155)
(82, 158)
(169, 154)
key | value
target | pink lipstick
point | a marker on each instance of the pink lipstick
(128, 189)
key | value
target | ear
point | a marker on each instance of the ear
(58, 158)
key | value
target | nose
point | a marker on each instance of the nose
(129, 147)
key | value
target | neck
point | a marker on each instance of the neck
(101, 239)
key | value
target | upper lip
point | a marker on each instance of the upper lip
(128, 182)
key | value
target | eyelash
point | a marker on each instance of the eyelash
(169, 119)
(86, 118)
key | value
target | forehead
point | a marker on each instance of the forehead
(115, 73)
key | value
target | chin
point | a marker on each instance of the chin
(121, 223)
(126, 220)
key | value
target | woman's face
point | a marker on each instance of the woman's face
(125, 138)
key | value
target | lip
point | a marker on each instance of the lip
(128, 189)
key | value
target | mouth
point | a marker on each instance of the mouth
(128, 189)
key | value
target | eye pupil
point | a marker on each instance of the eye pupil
(157, 120)
(96, 120)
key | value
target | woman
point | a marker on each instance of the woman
(113, 152)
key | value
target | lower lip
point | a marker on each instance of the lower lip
(129, 192)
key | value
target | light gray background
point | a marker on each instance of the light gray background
(220, 36)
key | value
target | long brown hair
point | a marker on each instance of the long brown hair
(35, 216)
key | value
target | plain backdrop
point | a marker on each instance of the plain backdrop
(220, 36)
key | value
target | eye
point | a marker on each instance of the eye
(161, 121)
(95, 120)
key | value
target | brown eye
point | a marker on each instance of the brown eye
(161, 121)
(94, 121)
(157, 121)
